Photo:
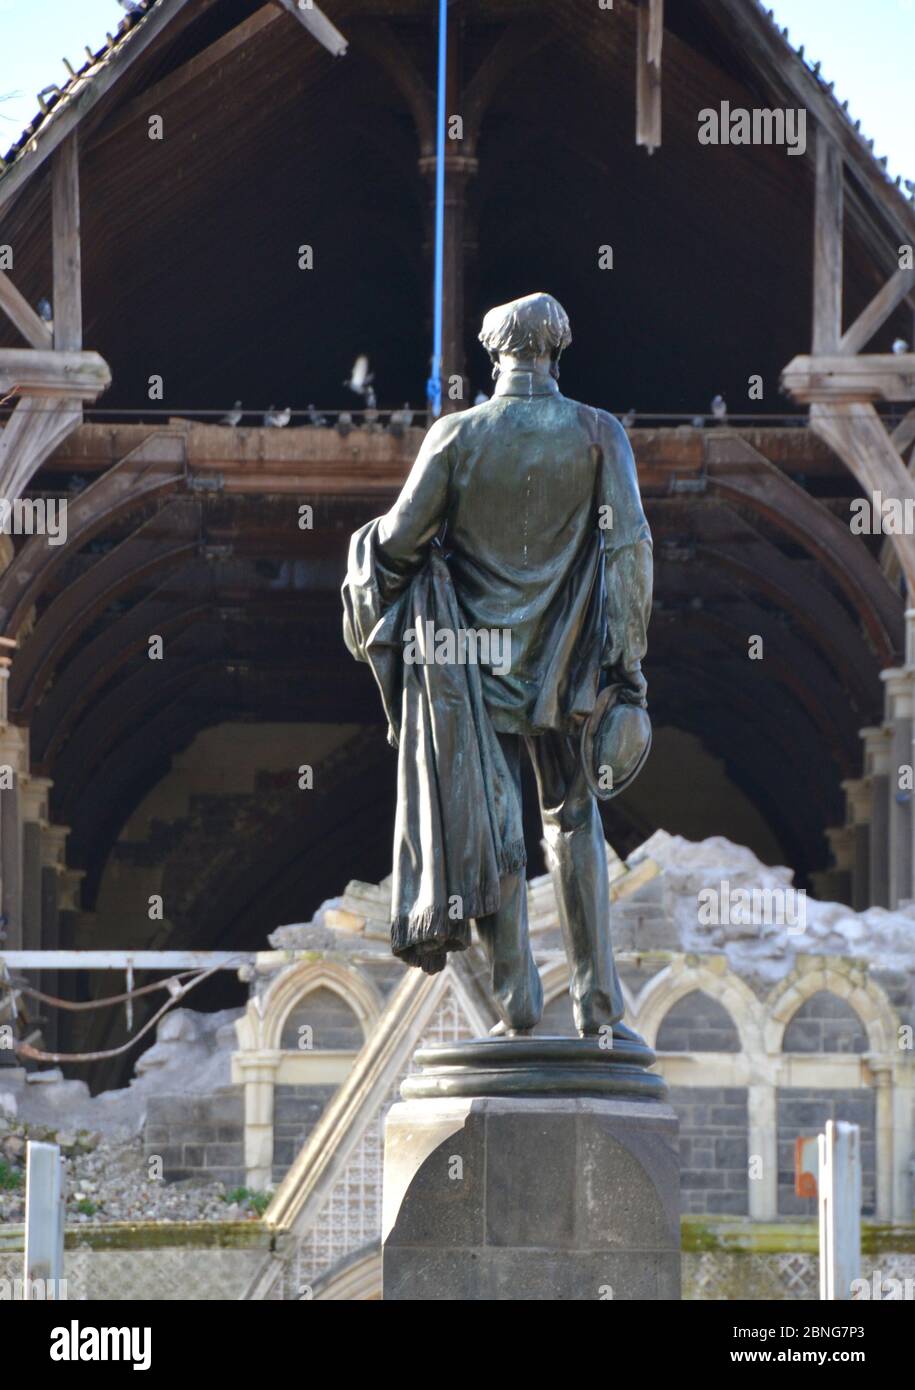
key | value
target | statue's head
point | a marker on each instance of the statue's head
(534, 327)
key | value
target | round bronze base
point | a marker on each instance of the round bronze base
(534, 1067)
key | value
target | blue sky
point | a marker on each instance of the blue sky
(866, 48)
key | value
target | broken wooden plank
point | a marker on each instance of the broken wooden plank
(650, 37)
(318, 25)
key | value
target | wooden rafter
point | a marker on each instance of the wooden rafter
(94, 85)
(152, 98)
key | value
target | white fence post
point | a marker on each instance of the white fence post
(840, 1209)
(45, 1216)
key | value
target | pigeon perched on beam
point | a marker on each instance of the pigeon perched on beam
(900, 346)
(720, 408)
(400, 420)
(628, 420)
(278, 419)
(233, 416)
(315, 417)
(46, 312)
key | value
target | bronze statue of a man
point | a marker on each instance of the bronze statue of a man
(527, 509)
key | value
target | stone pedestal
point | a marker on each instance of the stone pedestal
(557, 1196)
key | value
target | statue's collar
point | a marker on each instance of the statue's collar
(519, 382)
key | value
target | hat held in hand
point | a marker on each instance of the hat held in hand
(615, 742)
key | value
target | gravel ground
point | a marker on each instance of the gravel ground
(107, 1180)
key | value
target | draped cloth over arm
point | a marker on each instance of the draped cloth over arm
(458, 828)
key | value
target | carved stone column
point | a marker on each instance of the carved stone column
(877, 749)
(859, 799)
(899, 706)
(14, 762)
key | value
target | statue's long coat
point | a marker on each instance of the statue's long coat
(536, 500)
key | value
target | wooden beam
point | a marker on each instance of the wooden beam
(79, 374)
(856, 433)
(904, 433)
(875, 376)
(32, 432)
(896, 289)
(148, 102)
(650, 29)
(68, 290)
(827, 246)
(318, 25)
(18, 310)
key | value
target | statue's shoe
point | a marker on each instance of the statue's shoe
(502, 1030)
(621, 1033)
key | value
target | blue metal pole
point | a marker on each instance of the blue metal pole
(434, 387)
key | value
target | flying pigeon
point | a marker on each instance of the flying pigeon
(719, 408)
(360, 377)
(314, 418)
(900, 346)
(232, 417)
(278, 419)
(628, 419)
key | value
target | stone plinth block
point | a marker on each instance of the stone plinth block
(526, 1196)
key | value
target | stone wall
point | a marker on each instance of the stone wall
(697, 1023)
(824, 1023)
(296, 1111)
(713, 1148)
(200, 1137)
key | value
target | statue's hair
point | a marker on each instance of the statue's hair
(531, 326)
